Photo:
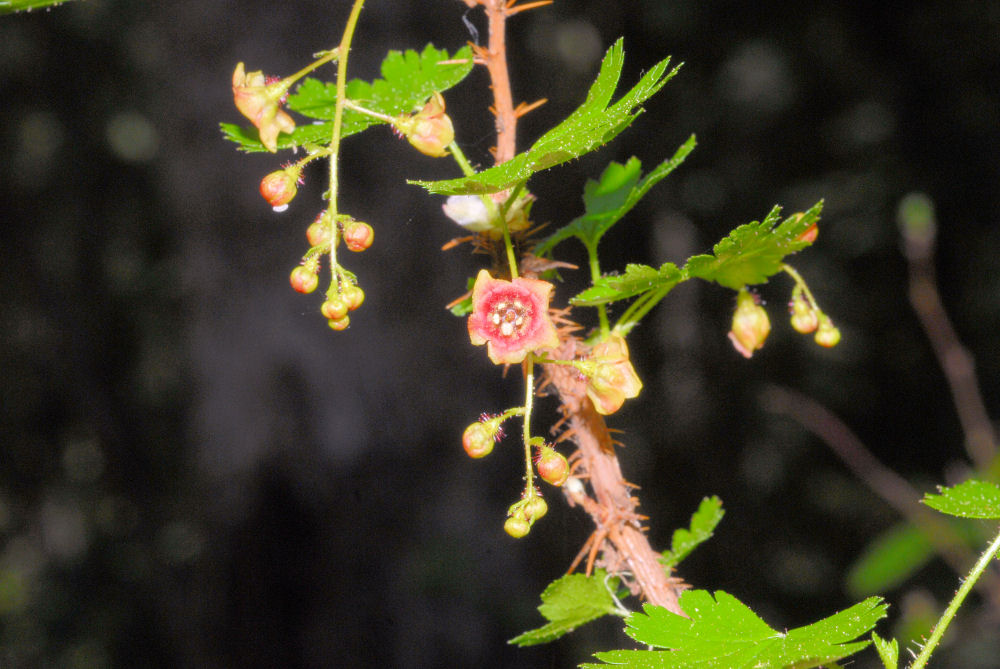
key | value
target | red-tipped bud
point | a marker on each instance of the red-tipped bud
(429, 130)
(810, 234)
(552, 466)
(279, 187)
(319, 231)
(358, 236)
(334, 309)
(827, 335)
(478, 440)
(354, 297)
(339, 324)
(304, 280)
(750, 324)
(805, 319)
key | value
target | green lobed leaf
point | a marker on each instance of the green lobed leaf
(703, 523)
(723, 633)
(592, 125)
(972, 499)
(607, 200)
(636, 280)
(750, 254)
(10, 6)
(408, 79)
(755, 251)
(888, 651)
(569, 602)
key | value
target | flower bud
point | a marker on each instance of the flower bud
(478, 440)
(339, 324)
(552, 466)
(354, 297)
(611, 379)
(319, 231)
(810, 234)
(750, 324)
(429, 130)
(535, 508)
(304, 280)
(357, 236)
(334, 308)
(804, 316)
(828, 335)
(279, 187)
(517, 527)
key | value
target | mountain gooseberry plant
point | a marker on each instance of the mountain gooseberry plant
(509, 311)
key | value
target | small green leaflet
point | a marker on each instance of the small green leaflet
(722, 633)
(592, 125)
(972, 499)
(749, 255)
(9, 6)
(408, 79)
(570, 602)
(464, 307)
(888, 651)
(703, 524)
(607, 200)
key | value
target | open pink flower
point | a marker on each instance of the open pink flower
(611, 379)
(259, 102)
(511, 317)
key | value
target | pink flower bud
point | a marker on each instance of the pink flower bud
(358, 236)
(279, 187)
(304, 280)
(552, 466)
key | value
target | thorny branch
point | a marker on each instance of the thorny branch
(619, 538)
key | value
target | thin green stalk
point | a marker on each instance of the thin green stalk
(595, 274)
(949, 614)
(338, 119)
(529, 396)
(638, 309)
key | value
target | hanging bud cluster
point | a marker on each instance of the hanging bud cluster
(344, 294)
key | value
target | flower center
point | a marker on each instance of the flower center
(509, 317)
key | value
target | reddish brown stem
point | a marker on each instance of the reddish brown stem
(624, 548)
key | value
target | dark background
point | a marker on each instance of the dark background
(197, 472)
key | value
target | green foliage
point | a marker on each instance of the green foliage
(569, 602)
(888, 651)
(464, 306)
(408, 79)
(607, 200)
(897, 554)
(592, 125)
(11, 6)
(749, 255)
(723, 633)
(703, 523)
(972, 499)
(890, 560)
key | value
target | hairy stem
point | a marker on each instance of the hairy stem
(338, 120)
